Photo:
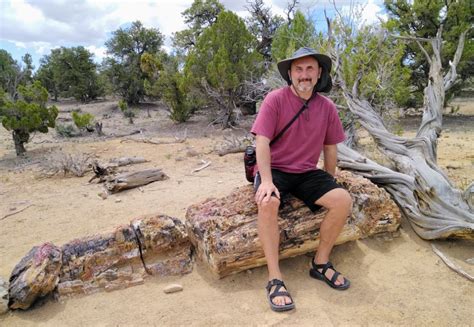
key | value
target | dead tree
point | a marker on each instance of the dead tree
(434, 207)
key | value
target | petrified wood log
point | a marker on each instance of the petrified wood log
(224, 231)
(3, 296)
(35, 276)
(151, 245)
(130, 180)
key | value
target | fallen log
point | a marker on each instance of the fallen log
(125, 161)
(224, 230)
(35, 276)
(153, 245)
(125, 181)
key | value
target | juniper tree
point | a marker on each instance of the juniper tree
(123, 67)
(70, 72)
(201, 14)
(166, 81)
(422, 19)
(27, 114)
(222, 60)
(13, 74)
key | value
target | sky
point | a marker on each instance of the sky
(37, 26)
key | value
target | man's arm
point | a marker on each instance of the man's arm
(330, 158)
(266, 187)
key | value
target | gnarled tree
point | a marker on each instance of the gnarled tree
(434, 207)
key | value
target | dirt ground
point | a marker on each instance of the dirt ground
(395, 281)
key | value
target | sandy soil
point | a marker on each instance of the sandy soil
(395, 281)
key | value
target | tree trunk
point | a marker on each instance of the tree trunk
(224, 231)
(20, 138)
(98, 129)
(434, 207)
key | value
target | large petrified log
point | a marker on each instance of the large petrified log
(150, 245)
(224, 231)
(35, 276)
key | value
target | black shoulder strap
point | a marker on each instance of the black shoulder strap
(303, 108)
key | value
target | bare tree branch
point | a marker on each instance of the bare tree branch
(427, 56)
(451, 264)
(451, 75)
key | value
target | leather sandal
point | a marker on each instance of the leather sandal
(276, 292)
(315, 273)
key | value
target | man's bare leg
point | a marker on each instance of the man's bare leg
(339, 204)
(269, 235)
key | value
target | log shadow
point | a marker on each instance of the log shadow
(42, 311)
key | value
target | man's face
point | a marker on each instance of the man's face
(304, 74)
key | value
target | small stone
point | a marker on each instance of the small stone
(173, 288)
(12, 208)
(192, 153)
(3, 296)
(103, 195)
(118, 200)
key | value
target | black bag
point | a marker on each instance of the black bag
(250, 159)
(250, 154)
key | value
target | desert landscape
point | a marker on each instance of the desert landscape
(396, 279)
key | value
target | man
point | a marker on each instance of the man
(289, 166)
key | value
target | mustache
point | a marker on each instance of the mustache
(305, 80)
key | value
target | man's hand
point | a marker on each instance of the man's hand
(265, 191)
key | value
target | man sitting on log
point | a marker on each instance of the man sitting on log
(289, 165)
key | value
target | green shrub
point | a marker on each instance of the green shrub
(84, 121)
(123, 106)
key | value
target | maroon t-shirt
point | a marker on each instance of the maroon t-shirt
(299, 148)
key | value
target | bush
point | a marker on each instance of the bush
(66, 130)
(66, 164)
(123, 106)
(127, 112)
(84, 121)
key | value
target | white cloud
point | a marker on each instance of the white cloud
(371, 13)
(99, 52)
(41, 25)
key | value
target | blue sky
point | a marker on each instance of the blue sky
(37, 26)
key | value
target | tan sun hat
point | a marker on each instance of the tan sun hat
(324, 83)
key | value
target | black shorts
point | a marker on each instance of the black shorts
(308, 186)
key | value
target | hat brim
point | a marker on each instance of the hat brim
(324, 83)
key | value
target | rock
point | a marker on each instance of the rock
(103, 195)
(3, 296)
(173, 288)
(192, 153)
(35, 276)
(224, 231)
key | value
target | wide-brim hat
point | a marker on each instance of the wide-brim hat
(324, 83)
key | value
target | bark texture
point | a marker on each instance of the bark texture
(135, 179)
(224, 230)
(35, 276)
(434, 207)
